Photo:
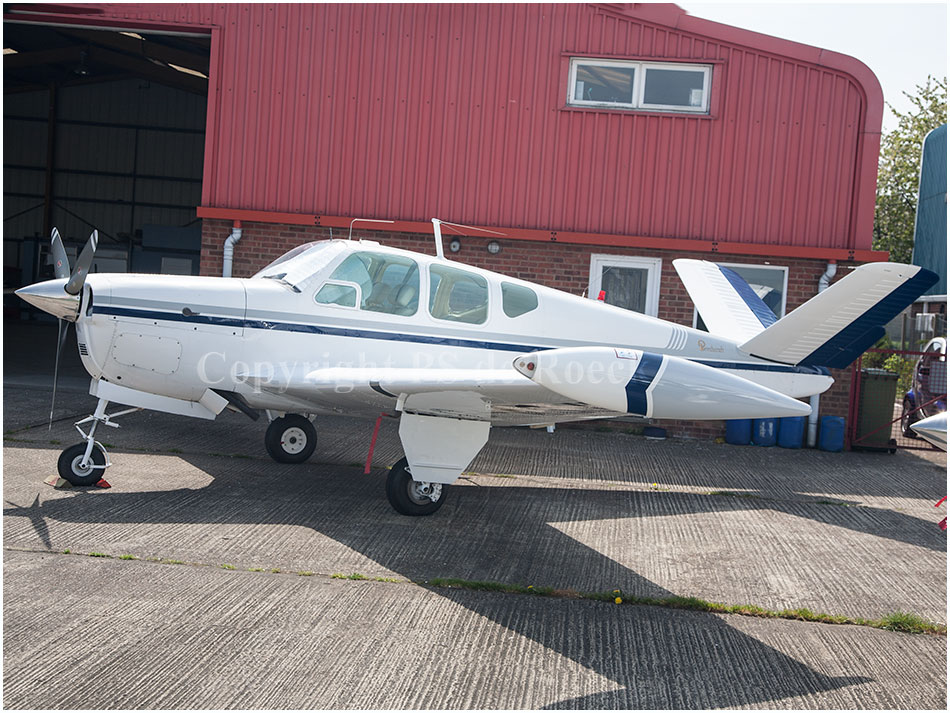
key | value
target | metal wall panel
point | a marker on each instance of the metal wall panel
(147, 139)
(458, 111)
(930, 228)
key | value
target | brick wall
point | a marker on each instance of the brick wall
(562, 266)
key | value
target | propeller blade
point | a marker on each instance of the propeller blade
(78, 278)
(60, 260)
(60, 340)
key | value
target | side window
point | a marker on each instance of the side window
(457, 295)
(517, 300)
(338, 294)
(375, 282)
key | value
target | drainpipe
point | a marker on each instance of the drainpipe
(229, 248)
(823, 283)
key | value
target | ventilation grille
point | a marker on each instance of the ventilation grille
(83, 350)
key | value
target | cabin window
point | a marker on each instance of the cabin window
(769, 282)
(517, 300)
(629, 282)
(376, 282)
(457, 295)
(648, 86)
(336, 293)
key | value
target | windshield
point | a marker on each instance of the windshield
(295, 266)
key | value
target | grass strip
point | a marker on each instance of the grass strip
(899, 621)
(904, 622)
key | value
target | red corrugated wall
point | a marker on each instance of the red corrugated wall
(458, 111)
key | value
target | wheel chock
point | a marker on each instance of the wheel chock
(103, 484)
(58, 483)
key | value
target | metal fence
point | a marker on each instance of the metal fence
(890, 390)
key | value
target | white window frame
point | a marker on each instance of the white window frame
(653, 266)
(707, 74)
(572, 82)
(639, 85)
(783, 268)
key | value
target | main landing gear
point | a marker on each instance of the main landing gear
(290, 439)
(85, 462)
(410, 497)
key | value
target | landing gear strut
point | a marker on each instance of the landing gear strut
(410, 497)
(84, 463)
(290, 439)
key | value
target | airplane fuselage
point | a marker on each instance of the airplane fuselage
(179, 336)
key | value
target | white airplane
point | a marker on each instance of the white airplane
(933, 429)
(354, 327)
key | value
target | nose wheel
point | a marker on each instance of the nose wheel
(410, 497)
(290, 439)
(75, 468)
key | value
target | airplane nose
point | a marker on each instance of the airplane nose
(51, 296)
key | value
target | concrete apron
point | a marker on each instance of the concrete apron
(849, 534)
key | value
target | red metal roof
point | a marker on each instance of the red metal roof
(458, 111)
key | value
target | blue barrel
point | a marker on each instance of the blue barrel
(764, 431)
(831, 435)
(739, 432)
(791, 430)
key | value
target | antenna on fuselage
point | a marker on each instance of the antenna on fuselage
(437, 231)
(365, 220)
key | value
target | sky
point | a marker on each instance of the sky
(901, 43)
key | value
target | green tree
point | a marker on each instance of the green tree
(899, 169)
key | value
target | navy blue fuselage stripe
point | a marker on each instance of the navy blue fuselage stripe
(836, 349)
(747, 294)
(640, 381)
(403, 337)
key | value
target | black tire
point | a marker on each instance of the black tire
(290, 439)
(404, 493)
(69, 469)
(908, 417)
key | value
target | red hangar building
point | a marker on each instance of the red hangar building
(601, 140)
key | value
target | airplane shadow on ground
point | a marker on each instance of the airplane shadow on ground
(682, 660)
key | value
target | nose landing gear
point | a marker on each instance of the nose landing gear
(84, 463)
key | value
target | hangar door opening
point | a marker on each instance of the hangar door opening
(102, 129)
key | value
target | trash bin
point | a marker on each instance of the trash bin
(875, 411)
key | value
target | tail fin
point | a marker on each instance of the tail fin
(728, 305)
(836, 326)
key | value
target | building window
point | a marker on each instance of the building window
(629, 282)
(769, 282)
(650, 86)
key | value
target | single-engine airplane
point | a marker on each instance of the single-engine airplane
(354, 327)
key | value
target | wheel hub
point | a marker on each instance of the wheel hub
(79, 468)
(422, 492)
(294, 440)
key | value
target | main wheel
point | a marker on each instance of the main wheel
(908, 417)
(410, 497)
(290, 439)
(70, 465)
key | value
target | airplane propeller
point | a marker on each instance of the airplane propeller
(78, 277)
(73, 286)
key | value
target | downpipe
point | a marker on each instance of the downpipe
(228, 257)
(830, 271)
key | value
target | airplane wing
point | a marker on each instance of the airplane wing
(500, 396)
